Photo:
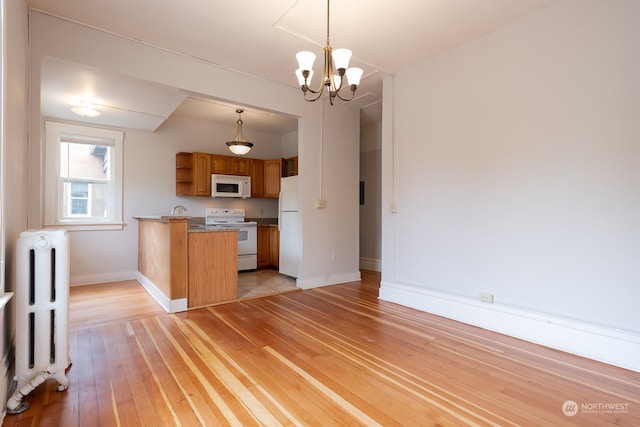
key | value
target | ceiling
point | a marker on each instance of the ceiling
(260, 38)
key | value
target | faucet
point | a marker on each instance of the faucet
(181, 209)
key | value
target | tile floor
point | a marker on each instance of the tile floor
(263, 282)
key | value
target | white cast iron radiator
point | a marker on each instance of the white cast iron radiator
(42, 305)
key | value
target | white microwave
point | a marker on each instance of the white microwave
(230, 186)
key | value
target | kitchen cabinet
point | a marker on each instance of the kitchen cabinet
(290, 166)
(241, 166)
(230, 165)
(193, 174)
(274, 246)
(272, 175)
(221, 164)
(268, 246)
(186, 268)
(213, 268)
(162, 258)
(257, 177)
(264, 249)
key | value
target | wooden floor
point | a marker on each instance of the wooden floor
(330, 356)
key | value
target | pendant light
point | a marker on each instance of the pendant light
(239, 145)
(85, 109)
(336, 65)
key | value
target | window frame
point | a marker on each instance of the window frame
(54, 215)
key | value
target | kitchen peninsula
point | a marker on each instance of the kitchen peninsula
(186, 267)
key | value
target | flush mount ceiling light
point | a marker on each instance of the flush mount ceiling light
(239, 145)
(332, 79)
(85, 109)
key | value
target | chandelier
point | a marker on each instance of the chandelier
(239, 145)
(332, 78)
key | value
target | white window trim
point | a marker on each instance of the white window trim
(52, 189)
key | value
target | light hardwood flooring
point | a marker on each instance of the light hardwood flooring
(329, 356)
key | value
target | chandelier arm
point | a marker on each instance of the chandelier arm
(353, 94)
(315, 92)
(306, 89)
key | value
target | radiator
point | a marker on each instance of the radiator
(42, 312)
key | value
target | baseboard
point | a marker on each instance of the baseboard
(169, 305)
(317, 282)
(92, 279)
(370, 264)
(605, 344)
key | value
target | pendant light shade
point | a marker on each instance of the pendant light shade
(85, 109)
(239, 145)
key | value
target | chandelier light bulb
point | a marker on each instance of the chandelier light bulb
(305, 60)
(353, 76)
(341, 58)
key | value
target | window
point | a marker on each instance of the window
(83, 177)
(78, 199)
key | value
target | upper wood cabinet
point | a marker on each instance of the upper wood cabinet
(193, 174)
(257, 177)
(241, 166)
(272, 175)
(290, 166)
(230, 165)
(221, 164)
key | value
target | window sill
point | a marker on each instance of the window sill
(87, 226)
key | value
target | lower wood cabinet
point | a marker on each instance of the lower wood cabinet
(274, 246)
(268, 246)
(213, 267)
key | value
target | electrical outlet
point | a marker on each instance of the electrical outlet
(334, 256)
(320, 203)
(486, 297)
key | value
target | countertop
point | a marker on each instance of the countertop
(196, 224)
(209, 229)
(164, 218)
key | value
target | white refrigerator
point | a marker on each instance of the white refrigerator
(289, 226)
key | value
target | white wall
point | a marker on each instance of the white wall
(290, 144)
(515, 165)
(13, 168)
(111, 255)
(334, 163)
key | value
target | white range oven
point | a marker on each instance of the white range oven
(247, 233)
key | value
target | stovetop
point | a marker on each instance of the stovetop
(222, 216)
